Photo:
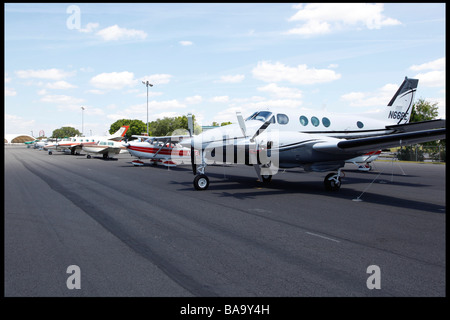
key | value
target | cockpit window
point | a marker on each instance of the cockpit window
(261, 116)
(282, 118)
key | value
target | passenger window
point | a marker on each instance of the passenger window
(304, 120)
(282, 118)
(326, 122)
(360, 124)
(315, 121)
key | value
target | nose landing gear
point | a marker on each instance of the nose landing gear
(332, 181)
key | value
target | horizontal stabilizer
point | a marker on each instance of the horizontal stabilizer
(380, 142)
(418, 126)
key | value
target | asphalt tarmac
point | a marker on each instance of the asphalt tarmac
(145, 231)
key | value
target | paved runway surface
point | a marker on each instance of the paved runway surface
(145, 231)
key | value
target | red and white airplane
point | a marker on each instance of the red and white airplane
(76, 144)
(107, 146)
(364, 162)
(165, 150)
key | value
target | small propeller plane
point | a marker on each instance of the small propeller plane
(364, 162)
(315, 141)
(76, 144)
(107, 146)
(166, 150)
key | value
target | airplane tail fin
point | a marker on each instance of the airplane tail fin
(399, 109)
(118, 135)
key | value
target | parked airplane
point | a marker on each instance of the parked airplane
(166, 150)
(364, 162)
(75, 144)
(107, 146)
(316, 141)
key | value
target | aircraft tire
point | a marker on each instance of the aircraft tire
(331, 185)
(88, 156)
(266, 178)
(201, 182)
(50, 153)
(105, 156)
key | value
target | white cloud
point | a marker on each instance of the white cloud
(151, 93)
(52, 74)
(7, 79)
(115, 33)
(186, 43)
(229, 114)
(281, 92)
(323, 18)
(10, 92)
(438, 64)
(232, 78)
(113, 80)
(93, 111)
(276, 72)
(433, 78)
(193, 100)
(96, 91)
(62, 99)
(156, 79)
(139, 111)
(380, 97)
(15, 123)
(89, 27)
(220, 99)
(60, 85)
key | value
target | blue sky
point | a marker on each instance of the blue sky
(213, 60)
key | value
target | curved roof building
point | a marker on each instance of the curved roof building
(18, 138)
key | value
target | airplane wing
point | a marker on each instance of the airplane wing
(380, 142)
(163, 138)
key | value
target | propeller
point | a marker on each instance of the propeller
(260, 130)
(244, 129)
(191, 134)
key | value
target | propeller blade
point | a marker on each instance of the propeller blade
(191, 133)
(194, 166)
(260, 130)
(241, 122)
(258, 171)
(190, 124)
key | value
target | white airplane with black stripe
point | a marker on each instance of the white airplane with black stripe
(315, 141)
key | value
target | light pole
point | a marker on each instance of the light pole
(82, 121)
(147, 84)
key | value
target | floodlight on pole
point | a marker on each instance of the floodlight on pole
(147, 84)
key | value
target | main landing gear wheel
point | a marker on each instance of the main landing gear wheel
(332, 182)
(50, 152)
(105, 156)
(266, 178)
(201, 182)
(88, 156)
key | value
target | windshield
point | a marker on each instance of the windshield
(260, 115)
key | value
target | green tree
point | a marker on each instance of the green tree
(137, 127)
(423, 110)
(225, 123)
(65, 132)
(171, 125)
